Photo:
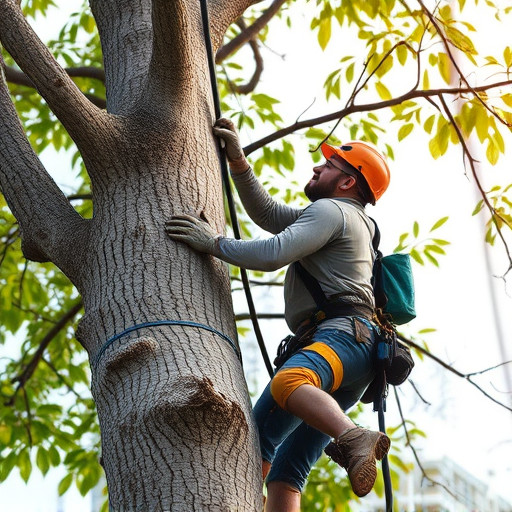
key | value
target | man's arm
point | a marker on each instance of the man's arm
(268, 214)
(317, 226)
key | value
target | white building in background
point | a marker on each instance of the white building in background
(455, 490)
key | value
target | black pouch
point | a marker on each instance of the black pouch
(395, 360)
(292, 344)
(401, 364)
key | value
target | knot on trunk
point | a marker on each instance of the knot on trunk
(135, 351)
(192, 405)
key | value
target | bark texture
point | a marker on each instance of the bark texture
(172, 402)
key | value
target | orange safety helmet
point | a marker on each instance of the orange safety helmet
(365, 158)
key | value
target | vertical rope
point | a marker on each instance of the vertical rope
(227, 187)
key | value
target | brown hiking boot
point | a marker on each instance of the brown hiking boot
(356, 450)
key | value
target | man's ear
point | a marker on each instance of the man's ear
(346, 182)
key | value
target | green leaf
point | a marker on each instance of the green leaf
(439, 223)
(431, 258)
(64, 484)
(429, 123)
(415, 255)
(444, 65)
(401, 53)
(434, 248)
(492, 153)
(54, 456)
(5, 434)
(416, 229)
(383, 91)
(24, 464)
(405, 130)
(43, 460)
(349, 73)
(324, 32)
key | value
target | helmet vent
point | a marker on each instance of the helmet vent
(346, 148)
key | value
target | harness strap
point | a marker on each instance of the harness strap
(157, 323)
(329, 308)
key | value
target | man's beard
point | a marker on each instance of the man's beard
(315, 190)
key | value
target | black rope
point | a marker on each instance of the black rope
(227, 187)
(388, 489)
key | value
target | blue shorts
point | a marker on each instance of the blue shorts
(291, 446)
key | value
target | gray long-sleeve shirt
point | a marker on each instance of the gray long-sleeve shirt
(332, 238)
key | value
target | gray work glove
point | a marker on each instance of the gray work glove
(226, 131)
(194, 232)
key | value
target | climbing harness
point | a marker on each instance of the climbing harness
(227, 187)
(157, 323)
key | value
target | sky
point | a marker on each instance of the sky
(454, 299)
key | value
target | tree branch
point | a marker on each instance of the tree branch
(250, 33)
(126, 38)
(453, 60)
(47, 221)
(367, 107)
(222, 13)
(253, 82)
(17, 77)
(471, 160)
(65, 99)
(450, 368)
(30, 368)
(172, 73)
(261, 316)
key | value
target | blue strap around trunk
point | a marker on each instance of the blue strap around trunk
(157, 323)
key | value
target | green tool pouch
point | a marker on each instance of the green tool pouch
(393, 284)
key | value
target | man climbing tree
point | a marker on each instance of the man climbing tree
(331, 241)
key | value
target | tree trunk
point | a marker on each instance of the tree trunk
(172, 402)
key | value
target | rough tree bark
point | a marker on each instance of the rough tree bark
(172, 401)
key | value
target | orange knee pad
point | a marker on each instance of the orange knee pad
(286, 381)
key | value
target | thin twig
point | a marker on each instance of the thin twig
(448, 367)
(456, 66)
(426, 402)
(416, 457)
(30, 368)
(61, 378)
(471, 161)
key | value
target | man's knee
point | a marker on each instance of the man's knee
(287, 380)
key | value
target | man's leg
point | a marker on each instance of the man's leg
(282, 497)
(303, 386)
(319, 410)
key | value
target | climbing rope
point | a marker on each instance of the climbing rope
(157, 323)
(227, 188)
